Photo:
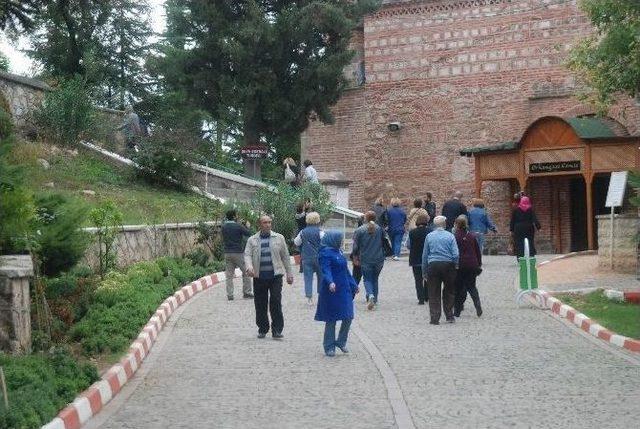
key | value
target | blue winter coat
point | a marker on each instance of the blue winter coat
(338, 305)
(397, 219)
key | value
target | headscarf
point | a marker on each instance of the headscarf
(524, 204)
(332, 238)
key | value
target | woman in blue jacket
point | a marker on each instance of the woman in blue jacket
(397, 220)
(335, 299)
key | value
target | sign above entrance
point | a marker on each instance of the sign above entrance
(552, 167)
(254, 152)
(617, 185)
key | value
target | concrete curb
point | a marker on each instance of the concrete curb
(582, 321)
(92, 401)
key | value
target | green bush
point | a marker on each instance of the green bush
(123, 303)
(67, 112)
(60, 243)
(164, 160)
(40, 385)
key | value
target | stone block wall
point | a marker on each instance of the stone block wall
(625, 248)
(137, 243)
(15, 305)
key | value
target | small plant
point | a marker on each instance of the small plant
(67, 112)
(163, 159)
(107, 219)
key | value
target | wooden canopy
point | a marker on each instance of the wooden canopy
(554, 146)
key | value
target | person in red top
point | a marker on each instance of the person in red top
(468, 267)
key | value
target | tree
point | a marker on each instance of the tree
(264, 65)
(4, 62)
(609, 61)
(17, 13)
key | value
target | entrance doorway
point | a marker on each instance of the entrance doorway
(578, 210)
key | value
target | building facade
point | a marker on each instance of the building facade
(442, 77)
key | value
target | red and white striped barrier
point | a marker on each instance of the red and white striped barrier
(586, 324)
(91, 401)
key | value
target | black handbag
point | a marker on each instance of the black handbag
(386, 245)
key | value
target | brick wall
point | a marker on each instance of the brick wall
(455, 74)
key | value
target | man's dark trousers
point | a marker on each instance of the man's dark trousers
(421, 290)
(267, 293)
(438, 273)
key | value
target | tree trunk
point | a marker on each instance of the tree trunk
(252, 167)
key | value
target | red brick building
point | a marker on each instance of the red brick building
(455, 75)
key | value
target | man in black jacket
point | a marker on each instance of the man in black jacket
(453, 208)
(233, 235)
(430, 207)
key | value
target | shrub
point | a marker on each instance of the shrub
(40, 385)
(60, 241)
(107, 219)
(67, 112)
(163, 158)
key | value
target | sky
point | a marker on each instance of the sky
(22, 65)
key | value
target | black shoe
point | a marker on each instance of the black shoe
(420, 302)
(434, 322)
(277, 335)
(451, 319)
(456, 313)
(230, 298)
(247, 295)
(479, 311)
(262, 334)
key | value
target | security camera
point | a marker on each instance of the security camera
(394, 126)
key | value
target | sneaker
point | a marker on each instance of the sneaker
(370, 303)
(230, 298)
(344, 349)
(262, 334)
(247, 295)
(451, 319)
(456, 313)
(309, 301)
(277, 335)
(330, 353)
(395, 258)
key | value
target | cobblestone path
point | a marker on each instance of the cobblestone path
(511, 368)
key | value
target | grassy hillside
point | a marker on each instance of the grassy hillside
(73, 172)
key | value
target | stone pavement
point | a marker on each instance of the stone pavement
(511, 368)
(582, 272)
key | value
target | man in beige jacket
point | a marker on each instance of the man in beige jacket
(266, 259)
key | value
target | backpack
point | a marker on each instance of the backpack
(289, 175)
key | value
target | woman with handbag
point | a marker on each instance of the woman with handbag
(336, 293)
(368, 248)
(469, 267)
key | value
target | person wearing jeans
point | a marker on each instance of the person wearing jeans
(439, 262)
(369, 254)
(266, 258)
(336, 293)
(308, 240)
(397, 220)
(480, 222)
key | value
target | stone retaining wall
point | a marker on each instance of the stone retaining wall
(625, 249)
(15, 307)
(137, 243)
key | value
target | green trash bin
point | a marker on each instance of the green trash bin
(523, 273)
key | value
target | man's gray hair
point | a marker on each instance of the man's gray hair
(457, 194)
(440, 221)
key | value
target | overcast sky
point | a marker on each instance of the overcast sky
(22, 65)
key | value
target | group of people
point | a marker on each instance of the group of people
(445, 253)
(293, 176)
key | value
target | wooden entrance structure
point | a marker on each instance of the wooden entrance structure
(553, 146)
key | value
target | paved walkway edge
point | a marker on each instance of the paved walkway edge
(91, 401)
(581, 320)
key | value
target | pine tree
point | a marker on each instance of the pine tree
(263, 64)
(15, 14)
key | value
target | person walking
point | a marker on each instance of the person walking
(397, 220)
(416, 211)
(439, 263)
(266, 259)
(367, 248)
(469, 267)
(430, 207)
(336, 293)
(453, 208)
(480, 222)
(524, 223)
(381, 212)
(308, 240)
(415, 243)
(233, 236)
(131, 129)
(310, 173)
(357, 269)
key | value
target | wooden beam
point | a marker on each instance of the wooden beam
(478, 177)
(588, 180)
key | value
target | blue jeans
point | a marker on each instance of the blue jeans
(329, 343)
(370, 274)
(308, 268)
(396, 242)
(480, 239)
